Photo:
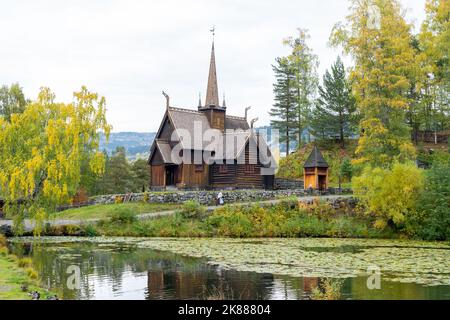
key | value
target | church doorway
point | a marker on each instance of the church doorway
(171, 175)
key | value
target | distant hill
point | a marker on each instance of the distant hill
(137, 144)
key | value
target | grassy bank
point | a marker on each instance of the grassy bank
(102, 211)
(17, 276)
(288, 219)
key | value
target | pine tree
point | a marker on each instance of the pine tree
(335, 111)
(118, 177)
(303, 63)
(434, 40)
(141, 175)
(283, 110)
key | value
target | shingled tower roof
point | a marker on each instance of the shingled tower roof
(212, 91)
(316, 160)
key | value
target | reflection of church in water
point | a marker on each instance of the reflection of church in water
(202, 281)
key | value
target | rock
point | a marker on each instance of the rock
(6, 230)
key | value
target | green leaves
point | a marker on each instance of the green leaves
(433, 219)
(384, 59)
(334, 113)
(41, 151)
(389, 194)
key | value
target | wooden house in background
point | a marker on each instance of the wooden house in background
(225, 171)
(316, 171)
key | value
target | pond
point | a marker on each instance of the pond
(142, 268)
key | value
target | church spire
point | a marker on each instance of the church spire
(212, 91)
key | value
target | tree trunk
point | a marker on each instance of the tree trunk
(341, 130)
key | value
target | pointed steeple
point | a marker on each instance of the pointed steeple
(212, 91)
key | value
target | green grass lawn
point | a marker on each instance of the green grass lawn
(101, 211)
(12, 277)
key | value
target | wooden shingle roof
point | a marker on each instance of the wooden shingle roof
(316, 160)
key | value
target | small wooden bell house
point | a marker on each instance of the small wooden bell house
(316, 171)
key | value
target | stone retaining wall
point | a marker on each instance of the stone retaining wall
(284, 184)
(208, 197)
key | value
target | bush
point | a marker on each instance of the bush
(389, 194)
(90, 231)
(4, 251)
(123, 216)
(288, 203)
(230, 222)
(321, 209)
(3, 241)
(329, 289)
(32, 273)
(63, 230)
(80, 197)
(25, 263)
(432, 221)
(346, 170)
(118, 199)
(192, 210)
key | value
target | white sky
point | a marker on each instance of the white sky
(130, 50)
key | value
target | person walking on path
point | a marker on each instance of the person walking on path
(220, 201)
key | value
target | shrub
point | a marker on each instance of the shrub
(3, 251)
(321, 209)
(231, 222)
(24, 262)
(118, 199)
(123, 216)
(346, 169)
(288, 203)
(90, 231)
(32, 273)
(389, 194)
(432, 221)
(80, 197)
(329, 289)
(3, 241)
(146, 197)
(192, 209)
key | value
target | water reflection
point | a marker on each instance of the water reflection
(118, 271)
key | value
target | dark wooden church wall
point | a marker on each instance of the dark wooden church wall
(249, 174)
(158, 175)
(223, 175)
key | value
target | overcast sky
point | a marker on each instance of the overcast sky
(129, 50)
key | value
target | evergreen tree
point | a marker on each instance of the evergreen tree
(434, 40)
(283, 110)
(118, 176)
(303, 63)
(335, 111)
(141, 175)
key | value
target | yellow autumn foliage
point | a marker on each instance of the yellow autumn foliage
(389, 194)
(384, 65)
(41, 151)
